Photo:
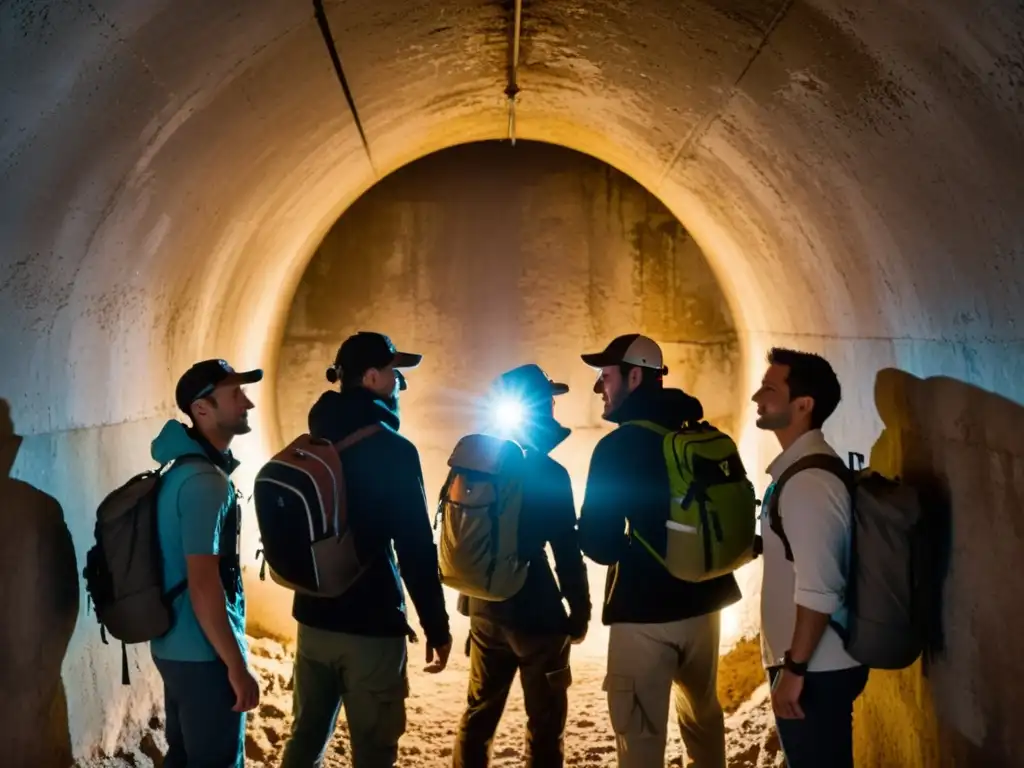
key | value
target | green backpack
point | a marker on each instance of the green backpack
(712, 511)
(478, 512)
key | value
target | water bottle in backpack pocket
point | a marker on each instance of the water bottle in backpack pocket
(302, 513)
(478, 514)
(711, 515)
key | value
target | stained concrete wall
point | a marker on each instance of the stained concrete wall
(488, 256)
(167, 169)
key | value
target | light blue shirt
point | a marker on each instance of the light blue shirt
(196, 516)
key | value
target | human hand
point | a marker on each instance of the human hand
(246, 688)
(577, 631)
(442, 653)
(786, 696)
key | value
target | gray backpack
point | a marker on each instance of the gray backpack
(479, 513)
(123, 570)
(888, 580)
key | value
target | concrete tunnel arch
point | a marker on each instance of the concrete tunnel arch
(847, 168)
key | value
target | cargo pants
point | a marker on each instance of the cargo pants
(368, 676)
(495, 655)
(645, 663)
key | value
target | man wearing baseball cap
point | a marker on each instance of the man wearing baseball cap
(352, 648)
(529, 633)
(664, 632)
(208, 686)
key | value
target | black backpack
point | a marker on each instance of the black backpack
(888, 582)
(124, 568)
(301, 500)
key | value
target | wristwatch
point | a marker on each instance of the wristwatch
(799, 669)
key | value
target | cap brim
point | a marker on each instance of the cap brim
(243, 377)
(599, 360)
(406, 360)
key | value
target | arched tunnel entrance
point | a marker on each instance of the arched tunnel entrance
(846, 168)
(487, 256)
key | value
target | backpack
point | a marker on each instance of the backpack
(302, 514)
(886, 625)
(479, 513)
(123, 572)
(712, 514)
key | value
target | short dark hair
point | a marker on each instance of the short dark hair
(649, 377)
(811, 376)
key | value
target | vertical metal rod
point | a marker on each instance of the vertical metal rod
(513, 74)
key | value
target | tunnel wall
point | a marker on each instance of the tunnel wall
(166, 170)
(488, 256)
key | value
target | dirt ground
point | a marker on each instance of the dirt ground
(436, 703)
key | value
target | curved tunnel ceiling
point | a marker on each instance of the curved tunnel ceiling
(168, 169)
(170, 166)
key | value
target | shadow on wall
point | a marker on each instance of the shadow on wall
(39, 595)
(963, 447)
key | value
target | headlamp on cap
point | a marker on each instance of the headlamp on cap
(520, 402)
(508, 414)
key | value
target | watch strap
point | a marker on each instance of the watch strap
(794, 667)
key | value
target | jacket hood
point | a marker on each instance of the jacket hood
(338, 414)
(176, 440)
(547, 436)
(670, 408)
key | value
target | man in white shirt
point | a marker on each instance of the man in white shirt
(814, 680)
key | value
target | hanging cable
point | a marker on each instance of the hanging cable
(325, 30)
(513, 71)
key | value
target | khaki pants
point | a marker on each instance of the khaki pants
(366, 675)
(542, 661)
(645, 662)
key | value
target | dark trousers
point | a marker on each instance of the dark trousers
(202, 729)
(495, 655)
(825, 736)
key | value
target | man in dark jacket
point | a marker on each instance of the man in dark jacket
(352, 648)
(664, 632)
(531, 631)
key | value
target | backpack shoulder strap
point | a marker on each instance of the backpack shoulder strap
(823, 461)
(187, 458)
(360, 434)
(652, 426)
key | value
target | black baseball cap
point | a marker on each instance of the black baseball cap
(530, 382)
(367, 349)
(205, 376)
(633, 349)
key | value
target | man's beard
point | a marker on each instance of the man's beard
(614, 403)
(239, 427)
(774, 421)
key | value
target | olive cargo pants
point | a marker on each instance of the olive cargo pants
(496, 654)
(645, 662)
(366, 675)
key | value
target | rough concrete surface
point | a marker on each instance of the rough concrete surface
(850, 170)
